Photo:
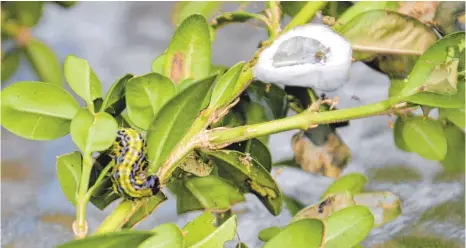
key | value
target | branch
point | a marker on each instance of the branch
(379, 50)
(305, 14)
(221, 137)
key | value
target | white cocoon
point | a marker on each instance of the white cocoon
(298, 64)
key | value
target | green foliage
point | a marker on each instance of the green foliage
(189, 53)
(38, 111)
(187, 106)
(303, 233)
(145, 96)
(354, 183)
(68, 173)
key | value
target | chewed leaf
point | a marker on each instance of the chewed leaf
(385, 206)
(326, 207)
(214, 193)
(250, 176)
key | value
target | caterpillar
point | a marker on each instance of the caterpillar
(129, 174)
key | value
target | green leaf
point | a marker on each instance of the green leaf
(66, 4)
(385, 206)
(456, 116)
(220, 235)
(82, 79)
(166, 235)
(114, 102)
(185, 200)
(249, 176)
(10, 62)
(348, 227)
(300, 234)
(454, 160)
(385, 31)
(431, 99)
(145, 210)
(354, 183)
(189, 52)
(68, 173)
(44, 61)
(38, 111)
(157, 64)
(199, 228)
(174, 120)
(214, 193)
(363, 6)
(223, 92)
(93, 132)
(398, 134)
(121, 239)
(268, 233)
(271, 97)
(447, 48)
(27, 13)
(326, 207)
(425, 137)
(292, 204)
(145, 96)
(183, 10)
(260, 152)
(292, 8)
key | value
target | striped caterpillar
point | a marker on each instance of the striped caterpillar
(129, 174)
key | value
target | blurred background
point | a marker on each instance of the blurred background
(124, 37)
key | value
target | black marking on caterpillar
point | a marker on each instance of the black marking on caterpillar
(129, 175)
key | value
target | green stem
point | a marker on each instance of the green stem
(305, 14)
(274, 13)
(82, 200)
(118, 217)
(220, 137)
(239, 17)
(98, 182)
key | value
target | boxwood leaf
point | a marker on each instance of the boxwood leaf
(454, 160)
(223, 92)
(447, 48)
(38, 111)
(114, 102)
(145, 96)
(199, 228)
(214, 193)
(157, 64)
(354, 183)
(431, 99)
(300, 234)
(385, 206)
(69, 173)
(386, 30)
(10, 62)
(268, 233)
(348, 227)
(82, 79)
(425, 137)
(185, 200)
(174, 120)
(456, 116)
(398, 134)
(27, 13)
(93, 132)
(121, 239)
(145, 210)
(250, 176)
(189, 52)
(220, 235)
(363, 6)
(182, 10)
(166, 235)
(44, 61)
